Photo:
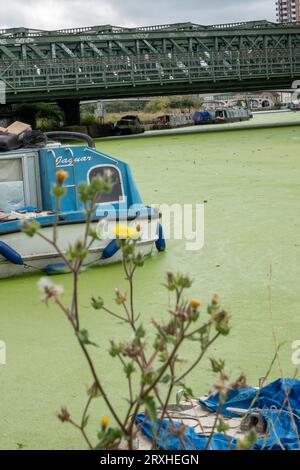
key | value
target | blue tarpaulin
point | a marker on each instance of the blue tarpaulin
(167, 440)
(278, 403)
(199, 116)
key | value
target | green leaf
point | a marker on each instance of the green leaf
(140, 332)
(188, 391)
(222, 426)
(97, 303)
(170, 339)
(129, 369)
(58, 191)
(148, 377)
(150, 404)
(184, 281)
(166, 379)
(94, 234)
(20, 445)
(108, 437)
(85, 421)
(30, 227)
(115, 349)
(77, 251)
(83, 336)
(217, 365)
(248, 441)
(94, 391)
(223, 329)
(163, 356)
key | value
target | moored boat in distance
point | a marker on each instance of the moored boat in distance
(171, 121)
(26, 179)
(127, 125)
(222, 115)
(203, 116)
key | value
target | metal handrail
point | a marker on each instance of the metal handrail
(63, 75)
(66, 135)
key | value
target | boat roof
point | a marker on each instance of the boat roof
(31, 188)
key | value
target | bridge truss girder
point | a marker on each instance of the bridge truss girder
(109, 60)
(25, 44)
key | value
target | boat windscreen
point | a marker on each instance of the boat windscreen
(116, 194)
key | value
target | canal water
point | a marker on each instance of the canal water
(250, 182)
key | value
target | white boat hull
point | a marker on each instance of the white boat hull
(37, 253)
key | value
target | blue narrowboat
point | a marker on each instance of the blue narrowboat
(26, 179)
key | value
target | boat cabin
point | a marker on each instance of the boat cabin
(27, 177)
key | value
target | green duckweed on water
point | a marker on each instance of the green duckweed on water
(250, 180)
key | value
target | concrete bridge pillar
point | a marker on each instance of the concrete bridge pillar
(71, 110)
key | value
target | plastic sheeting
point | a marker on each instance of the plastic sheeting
(199, 116)
(11, 196)
(165, 438)
(278, 402)
(11, 185)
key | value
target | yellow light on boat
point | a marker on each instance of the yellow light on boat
(123, 231)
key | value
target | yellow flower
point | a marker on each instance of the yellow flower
(104, 421)
(196, 303)
(123, 231)
(61, 176)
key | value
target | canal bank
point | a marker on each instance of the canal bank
(250, 182)
(265, 120)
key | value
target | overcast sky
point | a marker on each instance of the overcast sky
(57, 14)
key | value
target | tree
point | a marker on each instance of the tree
(156, 105)
(31, 113)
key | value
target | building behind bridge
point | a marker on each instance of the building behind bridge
(288, 11)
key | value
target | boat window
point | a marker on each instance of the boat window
(11, 184)
(117, 191)
(10, 170)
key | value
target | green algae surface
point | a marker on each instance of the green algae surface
(250, 180)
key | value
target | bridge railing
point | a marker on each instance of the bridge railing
(131, 71)
(110, 29)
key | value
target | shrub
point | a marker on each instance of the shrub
(152, 368)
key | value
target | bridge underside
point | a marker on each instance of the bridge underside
(157, 89)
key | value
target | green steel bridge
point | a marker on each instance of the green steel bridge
(111, 62)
